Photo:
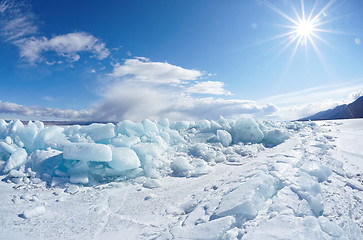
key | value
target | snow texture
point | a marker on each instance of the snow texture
(225, 179)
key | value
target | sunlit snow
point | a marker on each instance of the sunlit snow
(225, 179)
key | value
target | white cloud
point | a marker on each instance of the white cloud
(16, 20)
(134, 97)
(141, 89)
(134, 101)
(18, 28)
(208, 87)
(67, 45)
(211, 108)
(4, 5)
(36, 111)
(295, 112)
(137, 101)
(337, 92)
(355, 95)
(142, 69)
(48, 98)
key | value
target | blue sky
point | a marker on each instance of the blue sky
(115, 60)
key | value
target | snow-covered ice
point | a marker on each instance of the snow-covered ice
(33, 212)
(225, 179)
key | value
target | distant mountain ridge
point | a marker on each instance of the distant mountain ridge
(352, 110)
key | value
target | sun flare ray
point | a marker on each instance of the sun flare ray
(278, 11)
(304, 26)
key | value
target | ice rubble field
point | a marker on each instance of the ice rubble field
(225, 179)
(90, 154)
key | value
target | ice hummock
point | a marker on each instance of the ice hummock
(98, 151)
(150, 148)
(249, 189)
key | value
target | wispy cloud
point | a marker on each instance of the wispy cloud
(304, 103)
(294, 112)
(316, 94)
(17, 20)
(137, 101)
(140, 88)
(211, 108)
(67, 45)
(209, 87)
(18, 27)
(135, 89)
(48, 98)
(36, 111)
(4, 5)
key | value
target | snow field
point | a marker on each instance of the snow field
(165, 182)
(286, 197)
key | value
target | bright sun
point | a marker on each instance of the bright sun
(305, 28)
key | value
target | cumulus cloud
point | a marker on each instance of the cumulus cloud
(209, 87)
(134, 101)
(67, 45)
(131, 95)
(140, 88)
(18, 27)
(137, 88)
(137, 101)
(127, 98)
(211, 108)
(144, 70)
(36, 111)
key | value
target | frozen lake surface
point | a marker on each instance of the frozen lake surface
(227, 179)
